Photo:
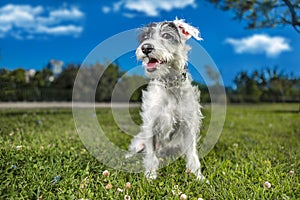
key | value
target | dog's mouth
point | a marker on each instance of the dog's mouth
(151, 63)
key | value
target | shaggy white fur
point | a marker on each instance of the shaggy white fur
(170, 110)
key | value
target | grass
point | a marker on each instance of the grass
(42, 157)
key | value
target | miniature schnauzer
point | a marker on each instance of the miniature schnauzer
(170, 110)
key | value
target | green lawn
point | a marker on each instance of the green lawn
(42, 157)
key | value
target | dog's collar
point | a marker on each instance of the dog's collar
(172, 82)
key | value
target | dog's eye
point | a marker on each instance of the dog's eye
(167, 36)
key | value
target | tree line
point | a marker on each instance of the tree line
(42, 85)
(267, 85)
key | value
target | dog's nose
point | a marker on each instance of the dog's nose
(147, 48)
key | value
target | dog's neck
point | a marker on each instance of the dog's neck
(174, 81)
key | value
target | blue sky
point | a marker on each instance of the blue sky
(33, 32)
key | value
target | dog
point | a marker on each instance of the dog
(171, 112)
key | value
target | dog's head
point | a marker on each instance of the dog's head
(162, 47)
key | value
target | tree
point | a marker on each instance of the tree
(107, 82)
(129, 88)
(253, 91)
(247, 87)
(268, 85)
(18, 76)
(279, 84)
(42, 78)
(4, 77)
(263, 13)
(66, 78)
(213, 74)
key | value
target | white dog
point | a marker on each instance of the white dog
(170, 110)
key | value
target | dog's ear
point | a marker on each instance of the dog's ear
(186, 31)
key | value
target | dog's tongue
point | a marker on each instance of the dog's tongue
(152, 63)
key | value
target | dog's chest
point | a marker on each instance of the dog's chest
(168, 100)
(165, 108)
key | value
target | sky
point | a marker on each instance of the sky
(34, 32)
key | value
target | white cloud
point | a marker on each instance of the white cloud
(106, 9)
(260, 43)
(12, 12)
(70, 14)
(150, 8)
(26, 21)
(60, 30)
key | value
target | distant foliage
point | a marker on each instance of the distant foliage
(18, 85)
(268, 85)
(107, 82)
(66, 79)
(263, 13)
(102, 83)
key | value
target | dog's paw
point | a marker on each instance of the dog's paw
(202, 178)
(199, 176)
(150, 175)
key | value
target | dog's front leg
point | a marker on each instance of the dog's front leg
(151, 161)
(193, 164)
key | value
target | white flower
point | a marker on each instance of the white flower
(236, 145)
(183, 197)
(127, 185)
(267, 185)
(119, 190)
(126, 197)
(106, 173)
(19, 147)
(291, 172)
(188, 171)
(176, 190)
(108, 186)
